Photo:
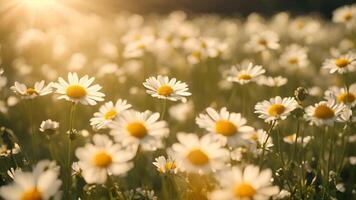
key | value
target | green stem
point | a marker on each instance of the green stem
(294, 158)
(265, 142)
(164, 109)
(70, 136)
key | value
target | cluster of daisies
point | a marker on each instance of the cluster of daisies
(215, 132)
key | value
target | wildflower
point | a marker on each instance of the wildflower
(248, 183)
(324, 112)
(269, 81)
(136, 128)
(341, 96)
(245, 74)
(276, 108)
(165, 165)
(262, 41)
(39, 184)
(294, 56)
(341, 64)
(103, 158)
(164, 88)
(290, 139)
(345, 15)
(79, 90)
(49, 126)
(181, 112)
(227, 126)
(257, 139)
(25, 92)
(108, 113)
(198, 155)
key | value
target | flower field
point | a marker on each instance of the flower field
(177, 106)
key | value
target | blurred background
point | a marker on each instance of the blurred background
(241, 7)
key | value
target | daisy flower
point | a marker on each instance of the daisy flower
(164, 88)
(243, 184)
(276, 108)
(108, 112)
(40, 184)
(257, 139)
(140, 128)
(79, 90)
(262, 41)
(49, 126)
(25, 92)
(341, 96)
(245, 74)
(345, 15)
(341, 64)
(294, 56)
(103, 158)
(229, 127)
(165, 165)
(290, 139)
(324, 112)
(269, 81)
(198, 155)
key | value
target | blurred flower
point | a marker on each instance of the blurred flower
(345, 15)
(257, 139)
(294, 57)
(196, 155)
(79, 90)
(108, 112)
(25, 92)
(5, 151)
(276, 108)
(342, 64)
(33, 185)
(229, 127)
(136, 128)
(164, 88)
(290, 139)
(262, 41)
(182, 111)
(49, 126)
(103, 158)
(341, 96)
(12, 172)
(323, 113)
(248, 183)
(165, 165)
(271, 81)
(245, 74)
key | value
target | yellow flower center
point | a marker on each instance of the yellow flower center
(254, 137)
(262, 42)
(102, 159)
(76, 91)
(346, 98)
(137, 129)
(341, 62)
(31, 91)
(245, 77)
(276, 109)
(324, 112)
(197, 54)
(293, 61)
(225, 128)
(244, 190)
(300, 25)
(31, 194)
(110, 114)
(198, 157)
(170, 165)
(291, 138)
(348, 16)
(165, 90)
